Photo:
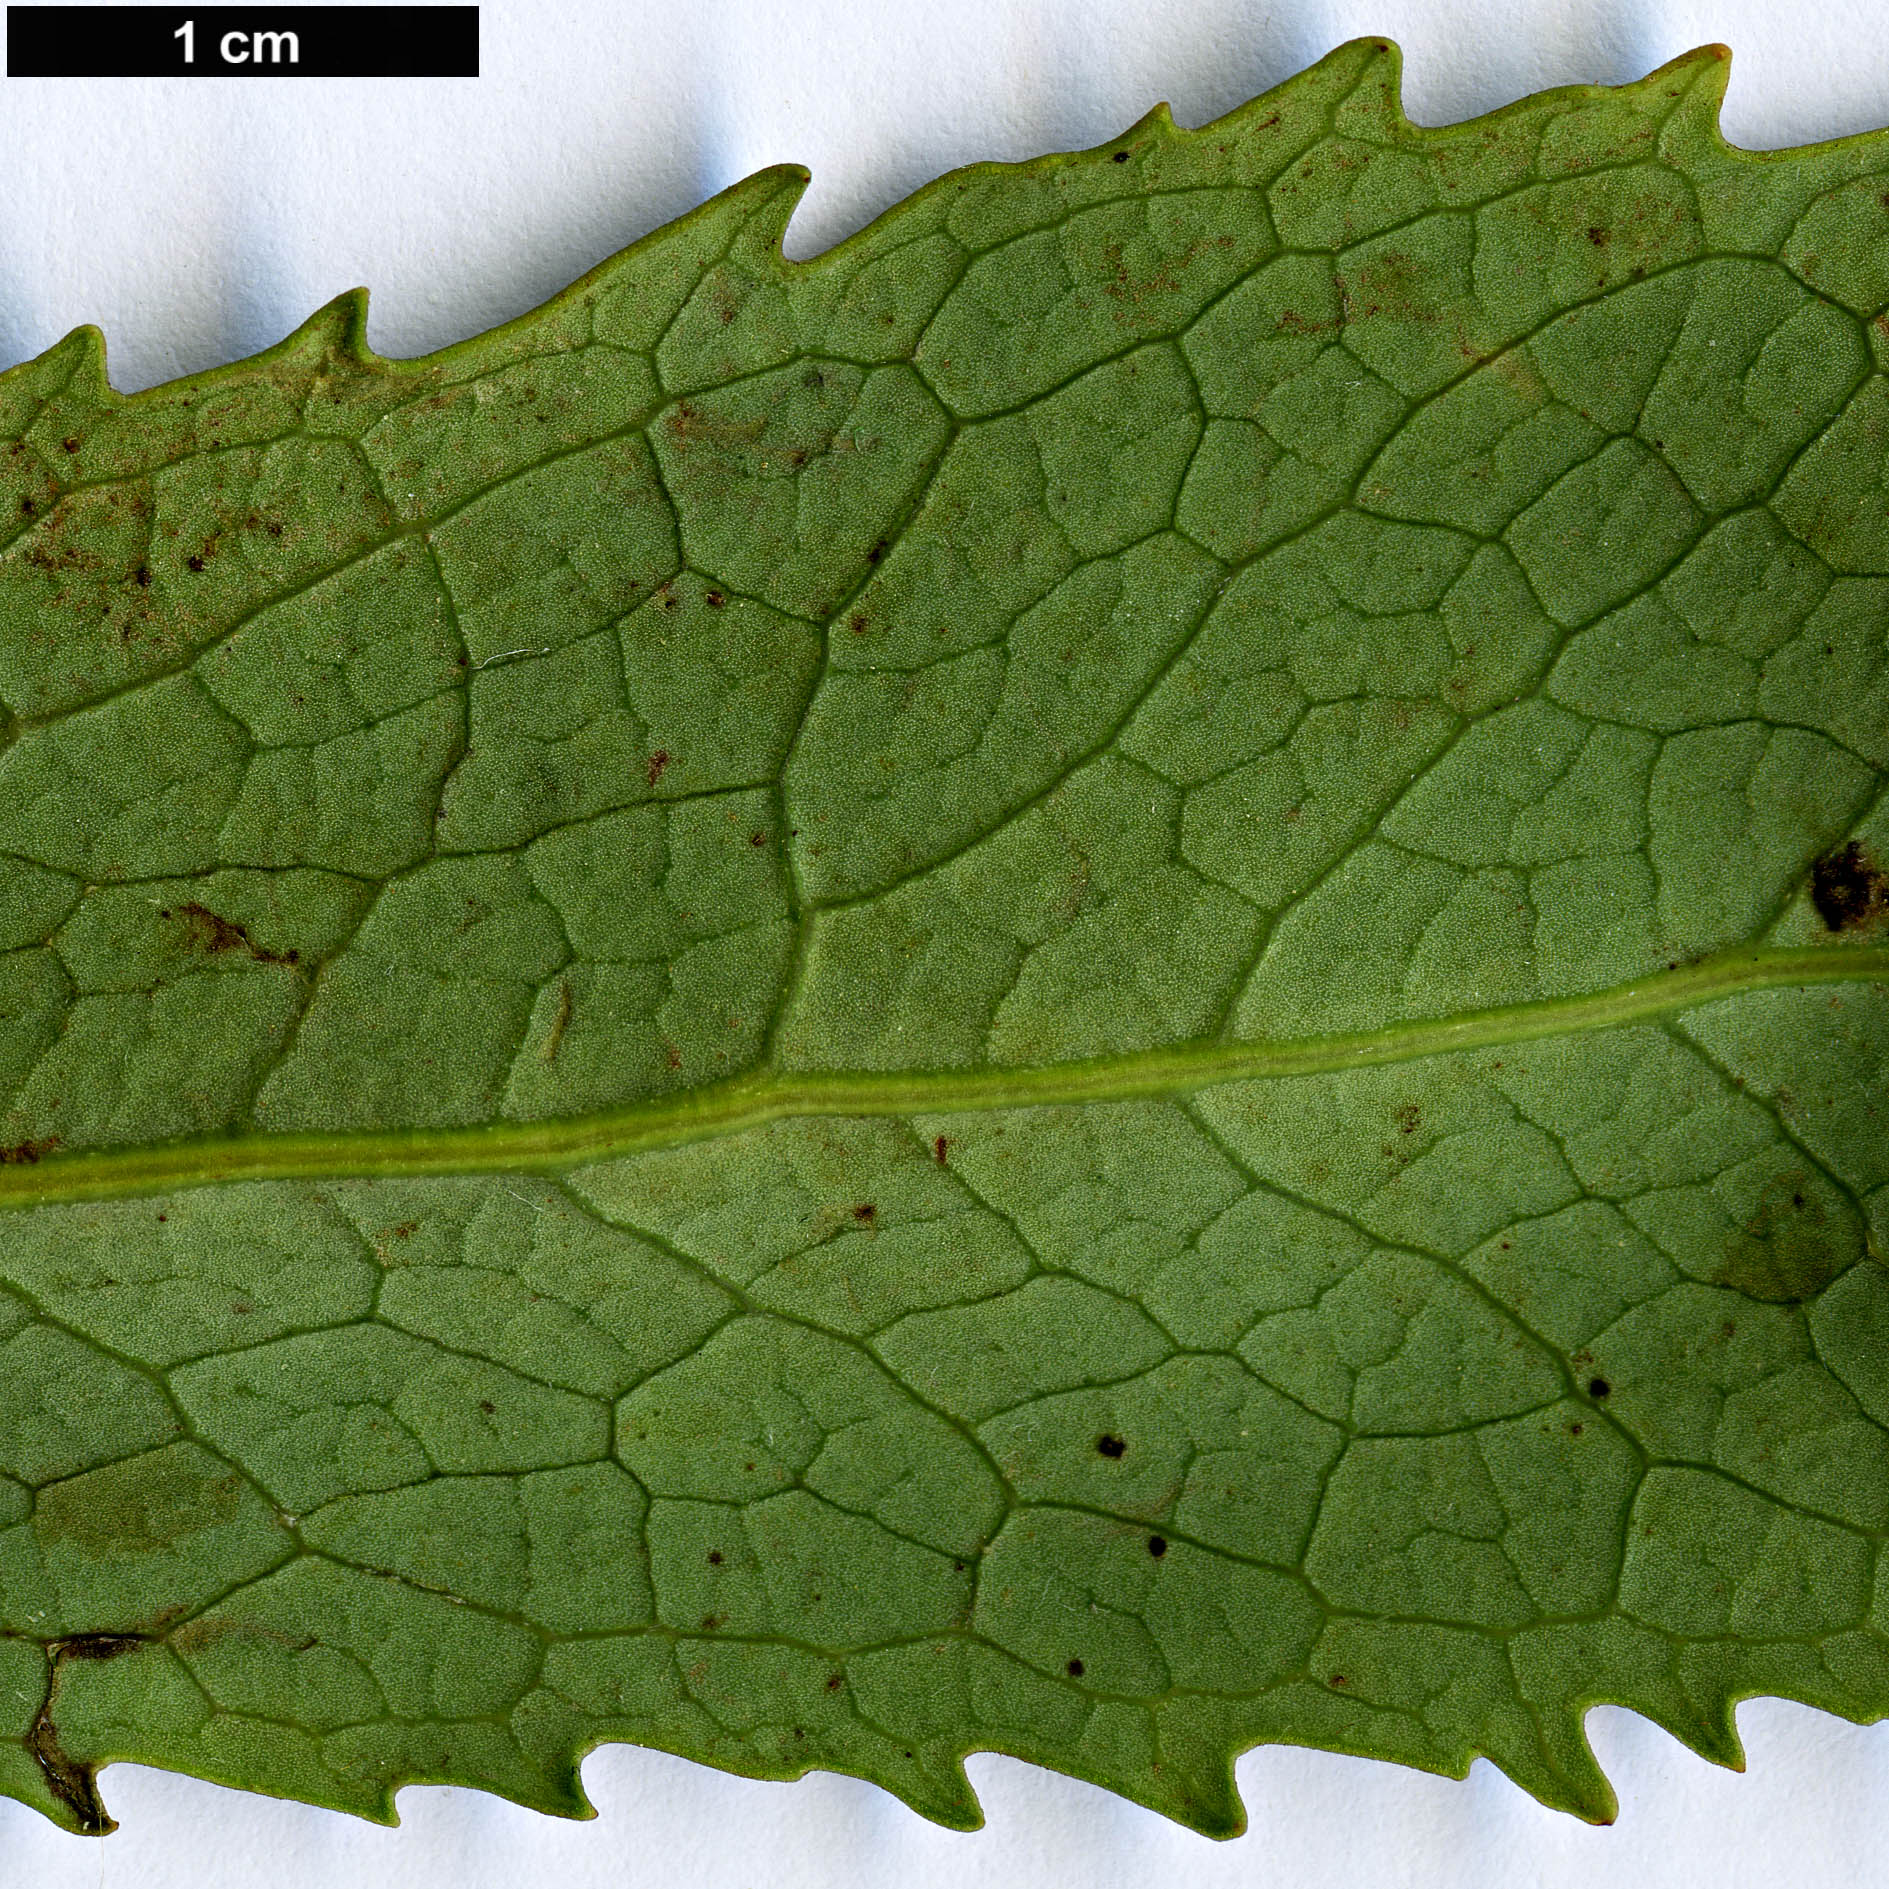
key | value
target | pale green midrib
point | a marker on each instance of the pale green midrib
(752, 1100)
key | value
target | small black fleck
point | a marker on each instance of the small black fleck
(1112, 1447)
(1121, 157)
(1075, 1669)
(1157, 1545)
(1598, 1387)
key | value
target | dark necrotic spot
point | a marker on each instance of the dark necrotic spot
(1848, 888)
(98, 1645)
(1157, 1545)
(1598, 1387)
(1075, 1669)
(1111, 1446)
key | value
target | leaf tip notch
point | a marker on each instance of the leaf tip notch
(767, 202)
(75, 362)
(1691, 91)
(337, 329)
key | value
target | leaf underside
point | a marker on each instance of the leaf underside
(1106, 980)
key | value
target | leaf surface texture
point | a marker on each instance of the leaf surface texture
(1108, 979)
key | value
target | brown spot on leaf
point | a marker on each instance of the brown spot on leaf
(96, 1645)
(1849, 889)
(25, 1153)
(74, 1784)
(657, 762)
(1793, 1244)
(211, 932)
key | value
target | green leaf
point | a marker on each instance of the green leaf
(1105, 980)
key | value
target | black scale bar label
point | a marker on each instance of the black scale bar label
(265, 42)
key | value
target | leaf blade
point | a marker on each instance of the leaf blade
(712, 999)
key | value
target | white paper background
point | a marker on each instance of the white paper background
(197, 220)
